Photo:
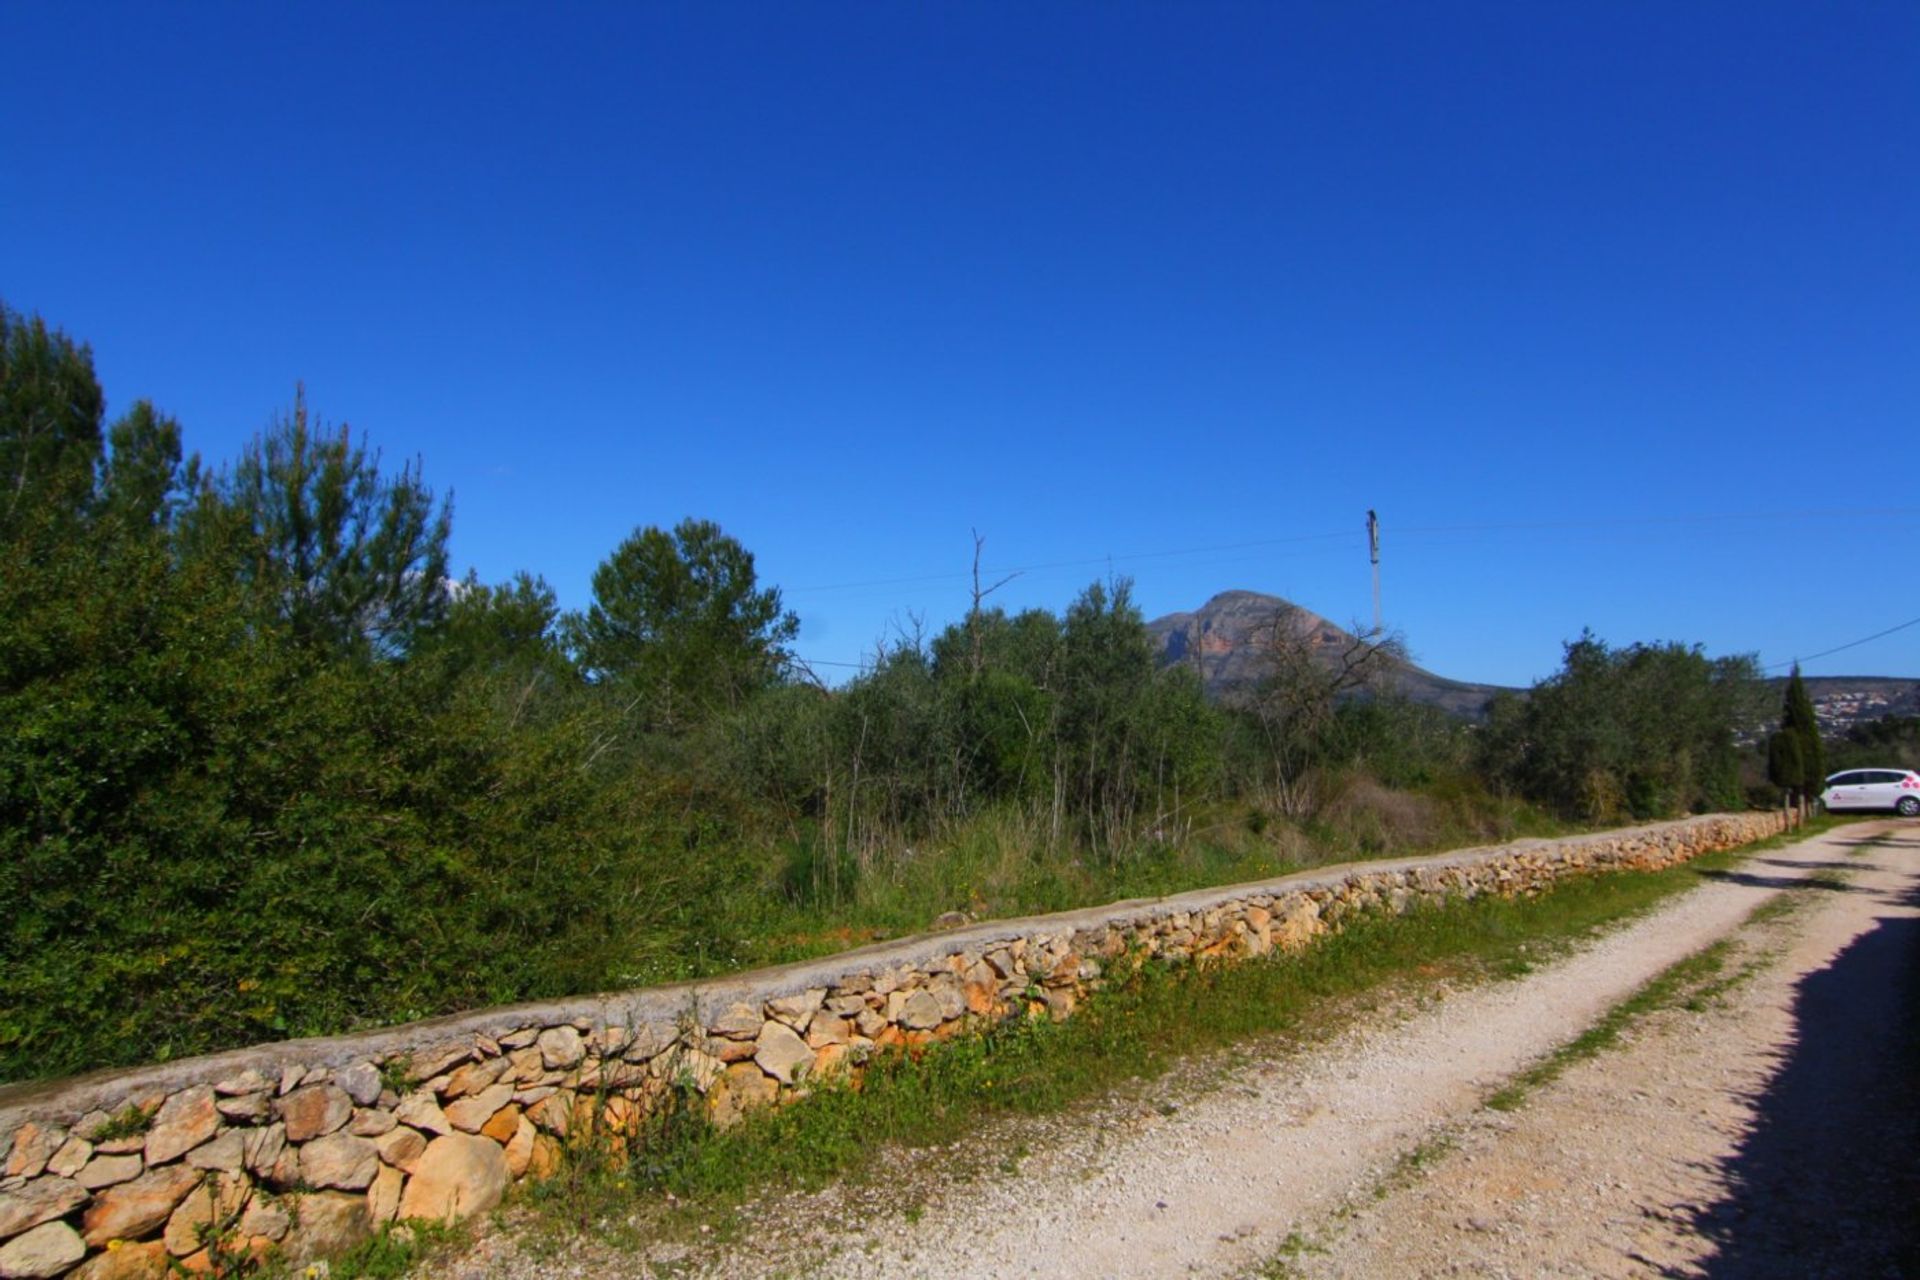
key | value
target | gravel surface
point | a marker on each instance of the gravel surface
(1305, 1162)
(1770, 1133)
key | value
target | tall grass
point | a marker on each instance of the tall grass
(1003, 862)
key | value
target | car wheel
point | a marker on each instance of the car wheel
(1909, 806)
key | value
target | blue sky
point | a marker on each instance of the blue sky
(1611, 310)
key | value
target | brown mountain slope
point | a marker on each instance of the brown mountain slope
(1223, 641)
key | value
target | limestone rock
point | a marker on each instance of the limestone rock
(477, 1076)
(45, 1251)
(147, 1261)
(744, 1087)
(108, 1171)
(339, 1160)
(227, 1153)
(519, 1150)
(33, 1146)
(286, 1170)
(248, 1081)
(781, 1053)
(524, 1066)
(730, 1050)
(190, 1223)
(470, 1115)
(383, 1196)
(503, 1124)
(325, 1223)
(826, 1029)
(460, 1175)
(547, 1154)
(647, 1040)
(561, 1047)
(739, 1022)
(247, 1108)
(71, 1157)
(697, 1068)
(266, 1218)
(361, 1082)
(421, 1112)
(41, 1200)
(371, 1123)
(401, 1148)
(138, 1208)
(555, 1114)
(314, 1110)
(795, 1010)
(184, 1121)
(430, 1062)
(951, 996)
(920, 1011)
(264, 1147)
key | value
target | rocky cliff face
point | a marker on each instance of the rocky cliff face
(1225, 639)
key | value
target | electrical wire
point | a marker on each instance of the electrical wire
(1842, 648)
(1357, 537)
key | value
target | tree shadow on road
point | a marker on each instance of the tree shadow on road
(1828, 1181)
(1758, 881)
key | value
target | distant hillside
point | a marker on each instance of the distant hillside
(1841, 702)
(1222, 640)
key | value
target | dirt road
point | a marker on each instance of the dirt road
(1755, 1133)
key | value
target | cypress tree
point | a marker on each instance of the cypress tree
(1797, 718)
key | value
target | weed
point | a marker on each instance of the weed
(129, 1121)
(1673, 986)
(397, 1074)
(394, 1251)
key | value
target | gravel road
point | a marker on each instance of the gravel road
(1751, 1136)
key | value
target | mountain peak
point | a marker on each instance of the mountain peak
(1224, 639)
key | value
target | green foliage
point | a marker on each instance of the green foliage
(50, 412)
(1797, 718)
(1644, 732)
(339, 555)
(1890, 742)
(679, 624)
(128, 1122)
(1786, 766)
(142, 480)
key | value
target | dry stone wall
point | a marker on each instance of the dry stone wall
(306, 1147)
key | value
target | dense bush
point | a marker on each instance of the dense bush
(1646, 731)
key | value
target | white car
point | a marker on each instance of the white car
(1895, 789)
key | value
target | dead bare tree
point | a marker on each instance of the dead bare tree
(976, 657)
(1309, 669)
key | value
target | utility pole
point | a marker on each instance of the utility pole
(1373, 553)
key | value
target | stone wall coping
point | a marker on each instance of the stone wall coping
(667, 1005)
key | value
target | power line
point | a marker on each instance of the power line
(1841, 648)
(1351, 538)
(1074, 564)
(1702, 517)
